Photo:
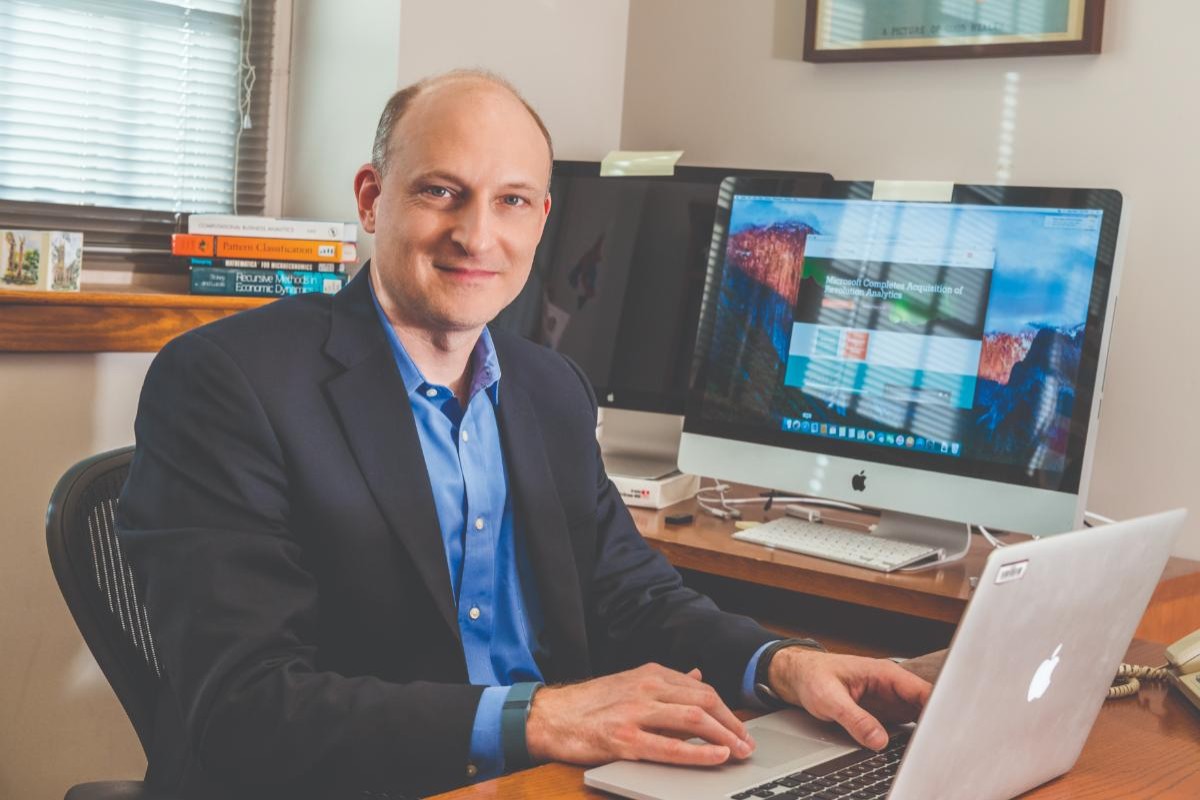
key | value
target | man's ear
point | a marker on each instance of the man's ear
(545, 213)
(368, 184)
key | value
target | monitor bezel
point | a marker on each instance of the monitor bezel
(1069, 483)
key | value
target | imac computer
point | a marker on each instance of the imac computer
(616, 285)
(940, 359)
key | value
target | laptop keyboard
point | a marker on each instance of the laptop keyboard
(861, 775)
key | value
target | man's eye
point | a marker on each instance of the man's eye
(437, 191)
(513, 200)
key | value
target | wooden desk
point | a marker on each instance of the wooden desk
(1143, 747)
(936, 598)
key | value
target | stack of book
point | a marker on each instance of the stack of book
(236, 255)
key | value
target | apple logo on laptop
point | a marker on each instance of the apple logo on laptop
(1041, 678)
(859, 481)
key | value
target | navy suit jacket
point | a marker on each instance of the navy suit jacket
(281, 524)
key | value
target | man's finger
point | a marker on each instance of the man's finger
(648, 746)
(710, 701)
(668, 675)
(689, 721)
(910, 688)
(901, 692)
(858, 722)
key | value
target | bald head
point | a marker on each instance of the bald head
(460, 80)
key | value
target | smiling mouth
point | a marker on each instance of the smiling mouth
(465, 272)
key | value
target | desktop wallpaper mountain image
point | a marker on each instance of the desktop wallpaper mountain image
(753, 320)
(772, 260)
(1001, 352)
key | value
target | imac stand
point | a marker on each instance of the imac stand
(952, 538)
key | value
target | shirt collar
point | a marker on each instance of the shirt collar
(485, 366)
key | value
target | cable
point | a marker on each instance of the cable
(246, 77)
(726, 510)
(992, 540)
(818, 501)
(720, 489)
(1129, 678)
(1098, 517)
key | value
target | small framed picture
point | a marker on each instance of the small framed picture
(41, 261)
(897, 30)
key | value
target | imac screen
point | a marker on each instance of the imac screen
(960, 337)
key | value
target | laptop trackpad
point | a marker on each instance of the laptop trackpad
(774, 748)
(785, 741)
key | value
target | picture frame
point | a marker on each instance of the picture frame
(904, 30)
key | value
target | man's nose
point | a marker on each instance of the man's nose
(474, 227)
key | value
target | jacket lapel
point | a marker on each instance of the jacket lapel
(540, 518)
(371, 402)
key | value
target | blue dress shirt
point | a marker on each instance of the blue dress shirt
(499, 616)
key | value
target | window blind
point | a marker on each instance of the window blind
(119, 117)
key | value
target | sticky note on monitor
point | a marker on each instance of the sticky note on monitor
(914, 191)
(640, 162)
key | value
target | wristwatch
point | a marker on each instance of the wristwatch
(513, 715)
(762, 686)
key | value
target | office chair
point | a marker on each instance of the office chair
(97, 584)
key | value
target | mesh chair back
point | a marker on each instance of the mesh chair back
(97, 582)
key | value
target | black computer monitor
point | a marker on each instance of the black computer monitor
(619, 275)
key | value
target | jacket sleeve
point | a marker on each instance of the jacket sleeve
(205, 520)
(643, 613)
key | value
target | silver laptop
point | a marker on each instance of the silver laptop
(1020, 689)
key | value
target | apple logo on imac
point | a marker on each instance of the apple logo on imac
(1041, 678)
(859, 482)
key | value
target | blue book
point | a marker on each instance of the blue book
(262, 282)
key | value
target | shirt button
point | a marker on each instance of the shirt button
(431, 392)
(479, 523)
(474, 612)
(466, 437)
(472, 770)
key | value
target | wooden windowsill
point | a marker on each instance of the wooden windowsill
(106, 318)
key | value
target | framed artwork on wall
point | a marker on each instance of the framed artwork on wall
(901, 30)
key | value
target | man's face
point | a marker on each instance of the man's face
(459, 213)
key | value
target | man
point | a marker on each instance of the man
(365, 525)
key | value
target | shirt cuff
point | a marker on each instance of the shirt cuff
(485, 753)
(750, 697)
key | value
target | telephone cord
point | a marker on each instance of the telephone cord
(1129, 679)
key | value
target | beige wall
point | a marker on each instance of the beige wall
(343, 69)
(726, 83)
(59, 721)
(566, 57)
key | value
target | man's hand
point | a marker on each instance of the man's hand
(857, 693)
(640, 715)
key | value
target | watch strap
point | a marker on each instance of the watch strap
(513, 715)
(762, 686)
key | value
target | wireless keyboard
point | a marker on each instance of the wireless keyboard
(837, 544)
